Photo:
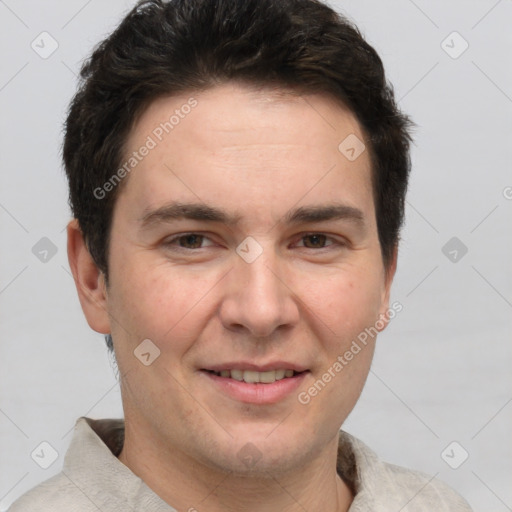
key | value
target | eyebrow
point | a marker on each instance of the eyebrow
(203, 212)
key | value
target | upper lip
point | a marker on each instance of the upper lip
(242, 365)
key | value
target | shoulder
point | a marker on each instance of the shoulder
(424, 492)
(56, 494)
(387, 487)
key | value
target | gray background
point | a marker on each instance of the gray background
(442, 368)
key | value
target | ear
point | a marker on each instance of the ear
(89, 280)
(389, 274)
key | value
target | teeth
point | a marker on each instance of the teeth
(267, 377)
(237, 374)
(252, 376)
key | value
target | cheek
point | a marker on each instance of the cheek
(345, 315)
(348, 304)
(160, 303)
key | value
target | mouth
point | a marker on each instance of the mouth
(255, 386)
(253, 377)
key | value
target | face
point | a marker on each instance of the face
(244, 245)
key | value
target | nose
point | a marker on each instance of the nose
(259, 298)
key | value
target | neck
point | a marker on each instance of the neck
(186, 484)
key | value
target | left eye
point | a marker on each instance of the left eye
(316, 241)
(188, 241)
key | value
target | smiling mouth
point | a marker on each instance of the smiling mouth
(254, 377)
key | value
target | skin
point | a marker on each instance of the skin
(257, 154)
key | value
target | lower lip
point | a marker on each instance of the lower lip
(256, 393)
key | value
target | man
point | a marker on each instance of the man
(237, 174)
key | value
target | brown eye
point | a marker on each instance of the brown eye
(191, 241)
(188, 242)
(316, 241)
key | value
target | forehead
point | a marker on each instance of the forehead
(234, 107)
(234, 144)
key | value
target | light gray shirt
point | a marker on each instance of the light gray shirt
(94, 480)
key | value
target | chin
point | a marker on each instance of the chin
(260, 450)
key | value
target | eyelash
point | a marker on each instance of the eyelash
(176, 238)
